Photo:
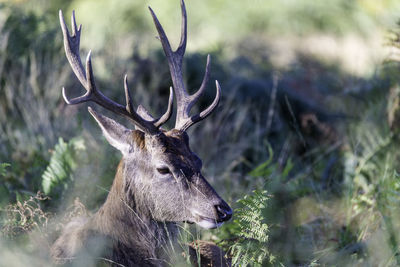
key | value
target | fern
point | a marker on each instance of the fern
(247, 237)
(59, 172)
(251, 247)
(3, 167)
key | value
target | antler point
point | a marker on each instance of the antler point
(65, 96)
(89, 56)
(126, 82)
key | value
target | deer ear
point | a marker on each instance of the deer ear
(116, 134)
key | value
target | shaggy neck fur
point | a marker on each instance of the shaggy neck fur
(136, 239)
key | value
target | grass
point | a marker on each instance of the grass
(316, 136)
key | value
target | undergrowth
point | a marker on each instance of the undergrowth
(329, 195)
(24, 217)
(251, 245)
(59, 173)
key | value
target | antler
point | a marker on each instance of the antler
(86, 78)
(184, 101)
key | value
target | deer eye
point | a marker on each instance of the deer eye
(163, 170)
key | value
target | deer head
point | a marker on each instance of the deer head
(161, 176)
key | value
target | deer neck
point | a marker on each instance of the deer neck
(123, 222)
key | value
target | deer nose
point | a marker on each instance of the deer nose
(224, 212)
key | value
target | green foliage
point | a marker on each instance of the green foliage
(3, 189)
(248, 242)
(3, 167)
(251, 245)
(335, 204)
(264, 169)
(373, 190)
(59, 173)
(31, 70)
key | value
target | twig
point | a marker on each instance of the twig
(275, 79)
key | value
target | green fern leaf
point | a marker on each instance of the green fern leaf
(3, 167)
(59, 172)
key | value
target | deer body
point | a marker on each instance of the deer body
(158, 181)
(117, 232)
(142, 208)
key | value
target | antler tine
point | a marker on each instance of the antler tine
(164, 118)
(184, 101)
(157, 122)
(145, 125)
(204, 114)
(73, 23)
(71, 46)
(163, 37)
(182, 45)
(86, 77)
(213, 105)
(128, 98)
(203, 85)
(174, 59)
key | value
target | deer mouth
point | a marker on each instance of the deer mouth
(206, 222)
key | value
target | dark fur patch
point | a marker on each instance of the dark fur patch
(176, 143)
(138, 139)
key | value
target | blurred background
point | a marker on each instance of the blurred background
(304, 144)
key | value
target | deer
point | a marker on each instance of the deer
(158, 183)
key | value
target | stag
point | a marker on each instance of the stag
(158, 182)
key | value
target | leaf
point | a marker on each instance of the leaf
(251, 246)
(264, 169)
(58, 173)
(3, 167)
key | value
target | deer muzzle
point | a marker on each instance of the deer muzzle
(222, 213)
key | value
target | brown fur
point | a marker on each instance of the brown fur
(115, 233)
(208, 254)
(138, 218)
(138, 139)
(158, 182)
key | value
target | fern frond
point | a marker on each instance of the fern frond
(59, 172)
(3, 167)
(251, 247)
